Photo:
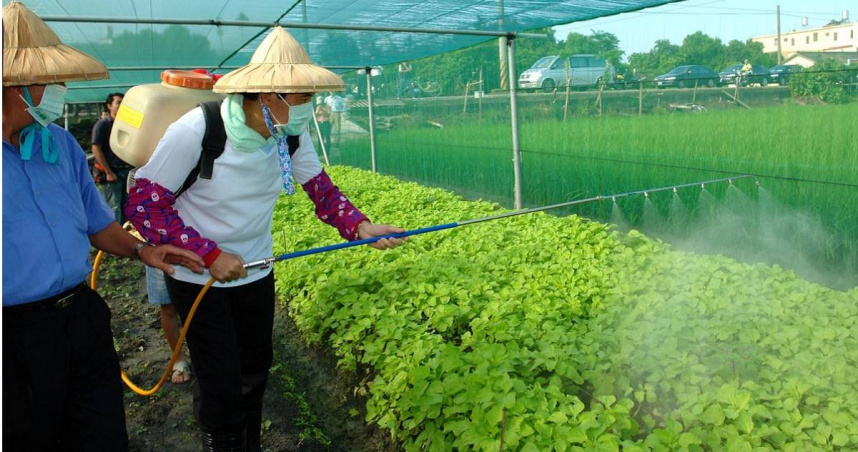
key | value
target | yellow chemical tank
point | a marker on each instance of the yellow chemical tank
(147, 111)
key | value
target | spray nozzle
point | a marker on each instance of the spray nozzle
(703, 186)
(730, 181)
(614, 199)
(646, 195)
(674, 190)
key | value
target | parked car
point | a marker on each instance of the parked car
(781, 74)
(550, 72)
(759, 75)
(686, 76)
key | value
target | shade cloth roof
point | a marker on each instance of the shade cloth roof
(136, 45)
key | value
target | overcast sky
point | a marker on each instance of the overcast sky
(725, 19)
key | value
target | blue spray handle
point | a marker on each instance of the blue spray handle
(324, 249)
(269, 260)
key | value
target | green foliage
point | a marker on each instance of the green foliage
(600, 43)
(698, 48)
(826, 81)
(565, 335)
(452, 70)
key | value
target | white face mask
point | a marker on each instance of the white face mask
(50, 108)
(299, 118)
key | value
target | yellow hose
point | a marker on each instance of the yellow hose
(176, 352)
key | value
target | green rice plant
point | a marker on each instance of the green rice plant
(805, 156)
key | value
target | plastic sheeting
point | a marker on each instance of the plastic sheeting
(213, 47)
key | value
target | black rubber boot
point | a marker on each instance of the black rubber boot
(224, 442)
(253, 421)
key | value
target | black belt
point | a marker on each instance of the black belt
(58, 301)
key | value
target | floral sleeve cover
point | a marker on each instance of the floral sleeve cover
(332, 207)
(150, 210)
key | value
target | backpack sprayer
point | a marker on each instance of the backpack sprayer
(264, 263)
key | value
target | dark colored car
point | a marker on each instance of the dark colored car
(759, 75)
(781, 74)
(687, 76)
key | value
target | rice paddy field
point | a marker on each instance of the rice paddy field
(803, 215)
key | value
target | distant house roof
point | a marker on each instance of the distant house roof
(816, 57)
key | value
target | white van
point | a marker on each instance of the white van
(550, 72)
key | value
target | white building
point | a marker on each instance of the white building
(831, 38)
(810, 59)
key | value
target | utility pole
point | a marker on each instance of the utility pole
(780, 54)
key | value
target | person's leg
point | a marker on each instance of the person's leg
(94, 412)
(170, 325)
(212, 341)
(325, 127)
(253, 315)
(35, 375)
(112, 192)
(336, 123)
(156, 288)
(122, 186)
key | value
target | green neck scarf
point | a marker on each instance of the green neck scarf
(243, 138)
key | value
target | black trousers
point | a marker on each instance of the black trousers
(61, 383)
(230, 344)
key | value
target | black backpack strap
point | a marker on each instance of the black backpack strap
(213, 143)
(214, 139)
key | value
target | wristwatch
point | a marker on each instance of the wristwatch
(139, 246)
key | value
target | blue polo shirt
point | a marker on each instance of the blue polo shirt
(48, 213)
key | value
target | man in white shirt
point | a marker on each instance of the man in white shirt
(338, 107)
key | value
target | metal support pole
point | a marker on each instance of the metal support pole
(501, 50)
(780, 53)
(321, 140)
(371, 120)
(304, 19)
(66, 115)
(513, 109)
(298, 25)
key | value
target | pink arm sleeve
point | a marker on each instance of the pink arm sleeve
(333, 207)
(150, 210)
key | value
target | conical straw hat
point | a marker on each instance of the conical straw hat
(279, 65)
(34, 55)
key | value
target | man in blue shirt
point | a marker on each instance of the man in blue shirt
(61, 382)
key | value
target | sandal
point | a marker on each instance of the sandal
(181, 372)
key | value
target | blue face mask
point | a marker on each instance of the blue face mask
(299, 118)
(44, 114)
(50, 108)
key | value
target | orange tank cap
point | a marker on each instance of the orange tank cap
(187, 79)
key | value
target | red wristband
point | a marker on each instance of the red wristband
(212, 255)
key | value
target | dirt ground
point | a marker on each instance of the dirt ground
(309, 404)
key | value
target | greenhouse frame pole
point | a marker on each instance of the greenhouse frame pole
(321, 140)
(371, 120)
(513, 108)
(246, 23)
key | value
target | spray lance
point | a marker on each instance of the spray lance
(268, 261)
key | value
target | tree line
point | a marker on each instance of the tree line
(453, 70)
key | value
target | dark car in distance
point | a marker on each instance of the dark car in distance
(781, 74)
(758, 75)
(688, 76)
